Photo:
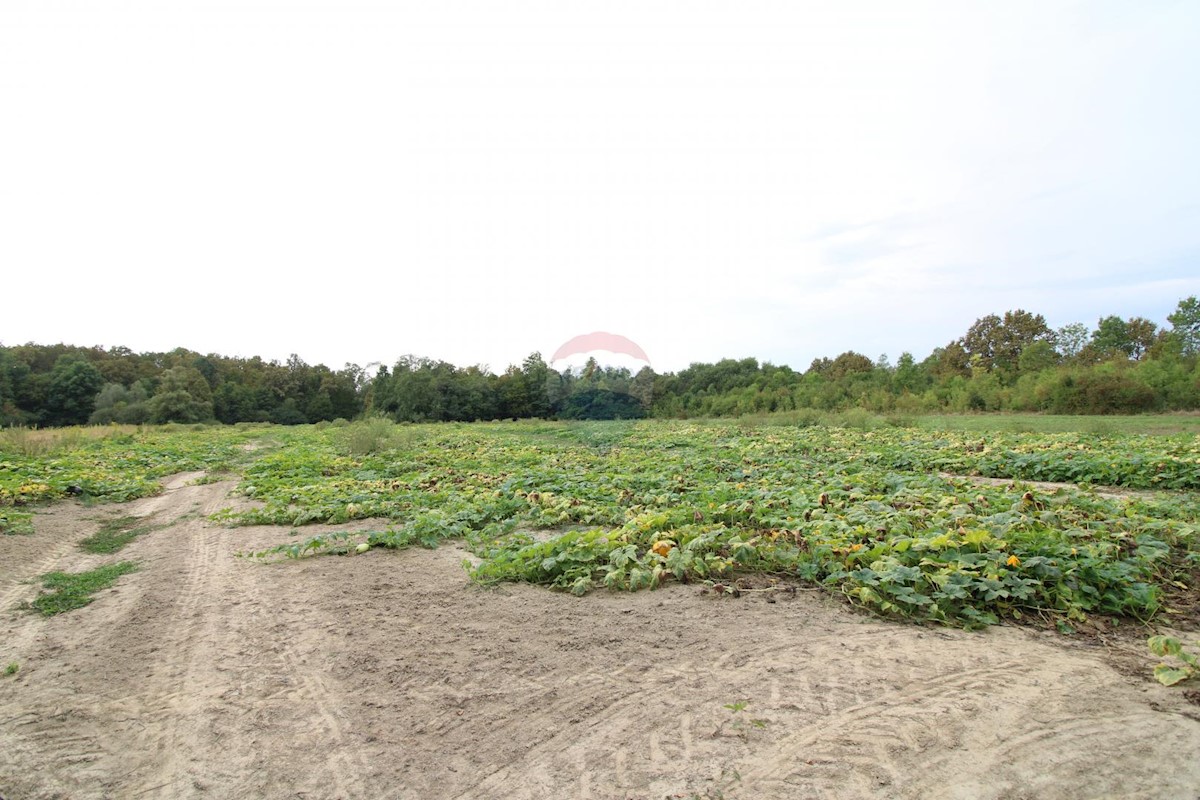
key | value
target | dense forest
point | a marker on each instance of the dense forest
(1012, 362)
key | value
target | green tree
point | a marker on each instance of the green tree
(1112, 337)
(1185, 326)
(849, 363)
(993, 343)
(71, 395)
(288, 413)
(981, 339)
(1071, 338)
(949, 361)
(115, 403)
(1142, 335)
(1131, 338)
(909, 377)
(9, 413)
(536, 374)
(183, 396)
(643, 386)
(1038, 356)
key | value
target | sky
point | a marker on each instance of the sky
(473, 181)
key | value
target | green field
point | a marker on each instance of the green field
(893, 518)
(1150, 424)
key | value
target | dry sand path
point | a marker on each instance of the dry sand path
(388, 675)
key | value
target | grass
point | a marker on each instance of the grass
(1148, 424)
(1151, 424)
(115, 533)
(15, 523)
(11, 669)
(71, 590)
(46, 441)
(117, 468)
(379, 434)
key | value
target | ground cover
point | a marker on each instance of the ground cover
(890, 518)
(1150, 424)
(121, 466)
(863, 513)
(70, 590)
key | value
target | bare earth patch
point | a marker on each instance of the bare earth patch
(389, 675)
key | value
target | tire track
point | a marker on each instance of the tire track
(24, 587)
(224, 670)
(389, 675)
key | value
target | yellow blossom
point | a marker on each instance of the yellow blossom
(1013, 561)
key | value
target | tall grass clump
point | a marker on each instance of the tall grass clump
(794, 418)
(371, 435)
(856, 418)
(36, 442)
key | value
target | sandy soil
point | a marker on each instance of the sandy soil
(388, 675)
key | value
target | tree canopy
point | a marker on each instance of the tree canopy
(1010, 361)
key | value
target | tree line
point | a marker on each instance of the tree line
(1009, 362)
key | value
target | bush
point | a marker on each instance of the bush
(373, 435)
(858, 418)
(1101, 393)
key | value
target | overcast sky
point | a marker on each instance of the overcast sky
(472, 181)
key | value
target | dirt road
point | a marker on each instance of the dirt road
(388, 675)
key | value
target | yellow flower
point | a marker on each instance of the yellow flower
(1013, 561)
(854, 548)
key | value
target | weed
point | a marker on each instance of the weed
(15, 523)
(212, 477)
(374, 435)
(11, 669)
(798, 418)
(740, 722)
(1186, 668)
(70, 590)
(858, 418)
(1150, 424)
(115, 533)
(112, 467)
(36, 442)
(728, 779)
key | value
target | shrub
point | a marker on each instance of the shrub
(372, 435)
(1101, 393)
